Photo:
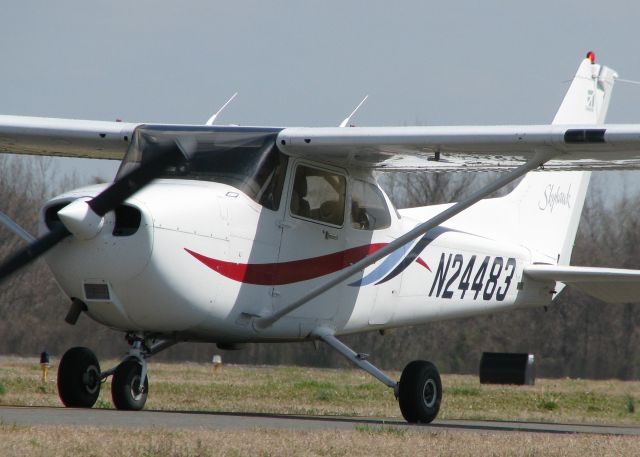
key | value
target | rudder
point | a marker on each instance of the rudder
(550, 203)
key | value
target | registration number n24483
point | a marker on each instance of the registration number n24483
(483, 279)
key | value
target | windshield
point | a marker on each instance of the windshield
(246, 159)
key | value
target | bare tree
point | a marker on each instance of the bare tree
(577, 336)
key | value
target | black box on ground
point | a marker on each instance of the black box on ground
(507, 368)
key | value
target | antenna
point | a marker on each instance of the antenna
(628, 81)
(212, 119)
(345, 123)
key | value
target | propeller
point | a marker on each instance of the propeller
(163, 154)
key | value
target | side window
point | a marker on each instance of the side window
(318, 195)
(368, 207)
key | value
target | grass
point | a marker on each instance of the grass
(381, 430)
(21, 441)
(630, 404)
(549, 405)
(469, 391)
(296, 390)
(299, 390)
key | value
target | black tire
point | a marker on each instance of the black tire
(420, 392)
(79, 378)
(125, 387)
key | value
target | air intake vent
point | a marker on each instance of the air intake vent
(51, 218)
(127, 220)
(96, 291)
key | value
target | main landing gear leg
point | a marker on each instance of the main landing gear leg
(80, 378)
(419, 391)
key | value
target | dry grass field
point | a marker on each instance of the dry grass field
(295, 390)
(66, 441)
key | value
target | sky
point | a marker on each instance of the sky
(308, 63)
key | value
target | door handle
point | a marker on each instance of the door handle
(330, 236)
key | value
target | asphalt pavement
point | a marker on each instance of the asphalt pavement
(48, 416)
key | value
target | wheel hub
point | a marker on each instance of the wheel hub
(137, 388)
(429, 393)
(91, 379)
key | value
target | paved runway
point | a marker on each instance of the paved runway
(243, 421)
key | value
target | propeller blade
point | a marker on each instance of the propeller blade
(164, 155)
(113, 196)
(33, 251)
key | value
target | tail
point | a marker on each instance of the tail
(550, 203)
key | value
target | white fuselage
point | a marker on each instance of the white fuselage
(206, 258)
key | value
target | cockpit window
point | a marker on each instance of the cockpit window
(318, 195)
(247, 160)
(368, 207)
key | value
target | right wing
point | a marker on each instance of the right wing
(65, 137)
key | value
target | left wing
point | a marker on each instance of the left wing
(612, 285)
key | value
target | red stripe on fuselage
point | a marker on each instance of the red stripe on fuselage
(273, 274)
(423, 263)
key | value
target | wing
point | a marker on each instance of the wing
(456, 148)
(612, 285)
(471, 148)
(65, 137)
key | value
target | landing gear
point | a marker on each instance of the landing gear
(79, 375)
(79, 378)
(128, 392)
(420, 392)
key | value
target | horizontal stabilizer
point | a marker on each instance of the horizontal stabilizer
(613, 285)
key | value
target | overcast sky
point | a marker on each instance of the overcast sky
(309, 62)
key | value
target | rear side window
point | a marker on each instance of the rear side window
(369, 209)
(318, 195)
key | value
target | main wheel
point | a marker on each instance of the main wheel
(420, 392)
(79, 378)
(125, 386)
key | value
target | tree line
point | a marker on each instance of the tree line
(577, 336)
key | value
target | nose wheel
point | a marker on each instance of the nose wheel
(79, 378)
(128, 391)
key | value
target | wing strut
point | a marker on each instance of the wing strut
(539, 158)
(360, 360)
(15, 228)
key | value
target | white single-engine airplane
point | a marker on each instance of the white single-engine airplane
(242, 234)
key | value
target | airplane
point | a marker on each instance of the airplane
(233, 235)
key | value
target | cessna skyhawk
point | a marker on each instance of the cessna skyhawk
(250, 234)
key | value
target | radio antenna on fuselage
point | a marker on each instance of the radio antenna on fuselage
(212, 119)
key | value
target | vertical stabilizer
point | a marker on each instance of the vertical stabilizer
(587, 100)
(550, 203)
